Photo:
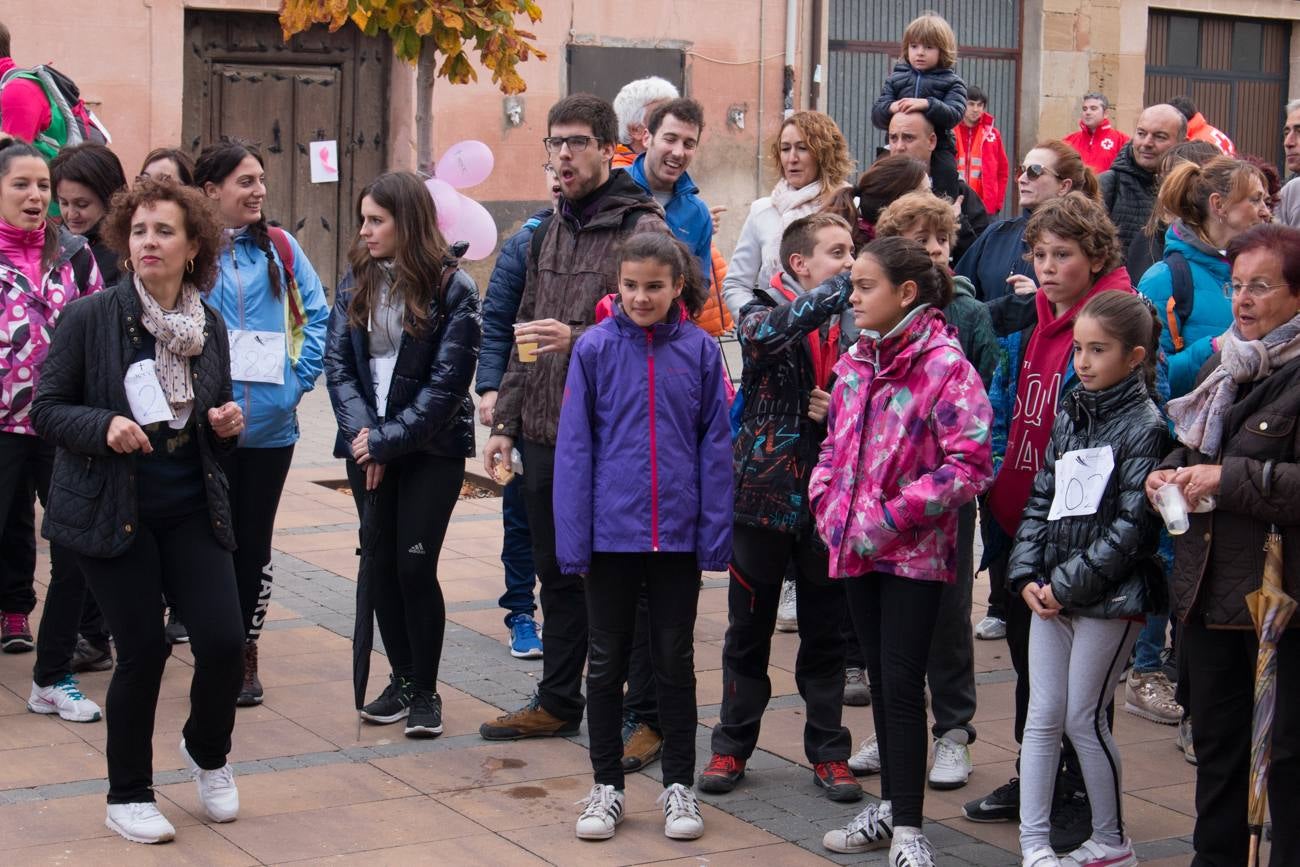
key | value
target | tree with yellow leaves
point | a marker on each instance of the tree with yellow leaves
(424, 30)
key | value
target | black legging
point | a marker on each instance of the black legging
(413, 505)
(256, 479)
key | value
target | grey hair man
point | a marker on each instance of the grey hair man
(633, 106)
(1288, 210)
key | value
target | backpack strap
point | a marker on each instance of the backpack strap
(1181, 297)
(630, 218)
(296, 317)
(82, 260)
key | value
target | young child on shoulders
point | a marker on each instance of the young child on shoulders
(1084, 562)
(924, 81)
(643, 500)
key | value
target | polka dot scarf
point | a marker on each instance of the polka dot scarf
(178, 336)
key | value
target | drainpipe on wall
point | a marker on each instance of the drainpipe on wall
(758, 129)
(791, 30)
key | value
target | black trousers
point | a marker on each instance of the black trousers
(412, 508)
(758, 566)
(670, 584)
(1223, 696)
(564, 605)
(256, 479)
(641, 704)
(181, 557)
(895, 620)
(951, 669)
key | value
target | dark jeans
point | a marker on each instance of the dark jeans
(997, 601)
(641, 704)
(853, 657)
(951, 670)
(411, 509)
(895, 620)
(26, 463)
(256, 479)
(179, 556)
(670, 583)
(516, 552)
(758, 565)
(564, 606)
(1222, 702)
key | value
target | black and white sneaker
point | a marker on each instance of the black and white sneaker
(1000, 805)
(602, 811)
(873, 828)
(394, 702)
(425, 717)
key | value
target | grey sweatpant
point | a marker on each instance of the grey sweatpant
(1074, 667)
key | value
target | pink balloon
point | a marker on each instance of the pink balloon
(476, 226)
(446, 201)
(465, 164)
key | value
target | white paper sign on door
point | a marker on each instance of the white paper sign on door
(381, 371)
(1081, 477)
(324, 161)
(145, 395)
(257, 356)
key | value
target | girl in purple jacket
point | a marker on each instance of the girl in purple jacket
(643, 499)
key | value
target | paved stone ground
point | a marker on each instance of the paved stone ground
(316, 786)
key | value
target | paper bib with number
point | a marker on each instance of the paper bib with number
(148, 403)
(1081, 477)
(381, 372)
(257, 356)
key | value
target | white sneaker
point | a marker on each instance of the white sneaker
(867, 759)
(952, 764)
(991, 629)
(910, 849)
(787, 611)
(64, 699)
(217, 791)
(603, 811)
(682, 819)
(1094, 853)
(139, 822)
(1044, 857)
(873, 828)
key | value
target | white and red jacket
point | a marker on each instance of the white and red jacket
(1098, 148)
(1199, 129)
(982, 161)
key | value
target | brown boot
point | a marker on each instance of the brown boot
(641, 746)
(530, 721)
(250, 693)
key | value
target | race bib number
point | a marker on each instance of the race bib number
(145, 395)
(381, 371)
(1081, 478)
(257, 356)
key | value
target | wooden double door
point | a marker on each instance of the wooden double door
(243, 81)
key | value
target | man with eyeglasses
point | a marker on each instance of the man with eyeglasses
(570, 269)
(912, 134)
(1129, 189)
(1288, 210)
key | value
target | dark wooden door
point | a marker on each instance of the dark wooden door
(242, 81)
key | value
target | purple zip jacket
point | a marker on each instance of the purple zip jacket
(643, 457)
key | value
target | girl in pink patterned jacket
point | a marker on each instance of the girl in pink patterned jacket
(908, 444)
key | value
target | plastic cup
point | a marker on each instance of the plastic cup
(527, 351)
(1172, 507)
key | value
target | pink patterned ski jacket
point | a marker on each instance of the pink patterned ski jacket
(908, 444)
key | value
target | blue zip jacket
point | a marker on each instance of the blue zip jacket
(997, 253)
(501, 304)
(686, 214)
(643, 454)
(242, 295)
(1211, 308)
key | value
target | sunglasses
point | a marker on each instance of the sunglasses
(1036, 171)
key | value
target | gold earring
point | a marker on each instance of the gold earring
(129, 266)
(189, 267)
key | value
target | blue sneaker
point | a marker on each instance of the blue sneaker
(525, 643)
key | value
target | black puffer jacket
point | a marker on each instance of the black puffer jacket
(1129, 192)
(777, 446)
(943, 88)
(93, 506)
(1100, 565)
(429, 409)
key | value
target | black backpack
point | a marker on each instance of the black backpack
(1181, 298)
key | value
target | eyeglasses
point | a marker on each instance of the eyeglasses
(577, 143)
(1255, 288)
(1036, 171)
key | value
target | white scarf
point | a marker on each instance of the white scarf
(790, 204)
(178, 337)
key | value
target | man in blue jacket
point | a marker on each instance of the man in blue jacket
(672, 139)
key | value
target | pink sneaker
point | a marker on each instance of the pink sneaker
(1094, 854)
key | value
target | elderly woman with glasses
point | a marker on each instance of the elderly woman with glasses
(1236, 466)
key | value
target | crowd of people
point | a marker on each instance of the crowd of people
(1124, 348)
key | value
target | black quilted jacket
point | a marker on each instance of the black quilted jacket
(429, 409)
(1100, 565)
(1221, 558)
(92, 507)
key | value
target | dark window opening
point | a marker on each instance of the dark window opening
(604, 70)
(1184, 41)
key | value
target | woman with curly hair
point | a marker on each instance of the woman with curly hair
(136, 395)
(814, 159)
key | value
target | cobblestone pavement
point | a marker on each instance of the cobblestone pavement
(315, 785)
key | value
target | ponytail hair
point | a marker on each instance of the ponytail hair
(10, 150)
(216, 163)
(667, 250)
(1133, 321)
(1070, 166)
(1185, 191)
(903, 260)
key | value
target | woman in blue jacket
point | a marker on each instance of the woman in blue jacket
(271, 300)
(403, 339)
